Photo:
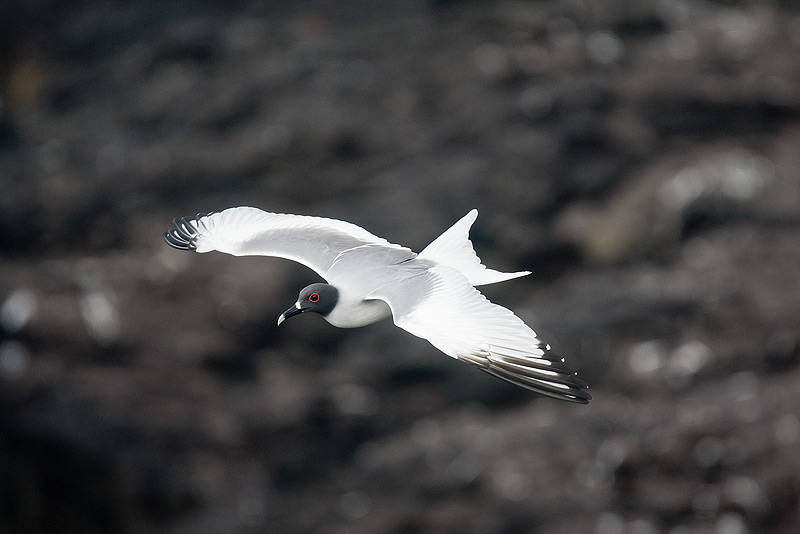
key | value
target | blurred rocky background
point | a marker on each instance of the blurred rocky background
(641, 158)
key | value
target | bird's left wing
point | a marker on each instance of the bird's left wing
(313, 241)
(440, 305)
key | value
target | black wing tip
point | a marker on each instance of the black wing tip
(554, 390)
(581, 396)
(578, 387)
(184, 232)
(565, 386)
(176, 241)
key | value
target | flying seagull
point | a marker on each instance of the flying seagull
(431, 294)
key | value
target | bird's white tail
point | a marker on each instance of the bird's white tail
(454, 249)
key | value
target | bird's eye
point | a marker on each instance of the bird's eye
(313, 297)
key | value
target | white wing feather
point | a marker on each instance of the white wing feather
(454, 249)
(313, 241)
(444, 308)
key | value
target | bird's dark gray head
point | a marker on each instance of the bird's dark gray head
(317, 298)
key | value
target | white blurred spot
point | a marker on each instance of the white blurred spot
(17, 310)
(706, 501)
(352, 399)
(743, 386)
(739, 31)
(465, 467)
(743, 389)
(595, 473)
(683, 189)
(642, 526)
(708, 451)
(504, 476)
(673, 12)
(743, 175)
(613, 452)
(687, 360)
(609, 523)
(730, 523)
(14, 359)
(514, 485)
(100, 315)
(747, 493)
(681, 45)
(490, 59)
(604, 47)
(646, 358)
(787, 429)
(88, 273)
(737, 174)
(699, 253)
(354, 504)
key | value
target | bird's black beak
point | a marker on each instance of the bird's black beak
(294, 310)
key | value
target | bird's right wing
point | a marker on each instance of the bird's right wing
(441, 305)
(313, 241)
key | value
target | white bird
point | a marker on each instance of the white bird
(431, 294)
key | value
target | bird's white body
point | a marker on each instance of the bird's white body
(432, 295)
(354, 311)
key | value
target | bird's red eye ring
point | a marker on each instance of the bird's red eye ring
(313, 297)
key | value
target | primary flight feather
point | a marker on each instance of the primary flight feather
(431, 294)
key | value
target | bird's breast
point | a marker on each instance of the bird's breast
(352, 314)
